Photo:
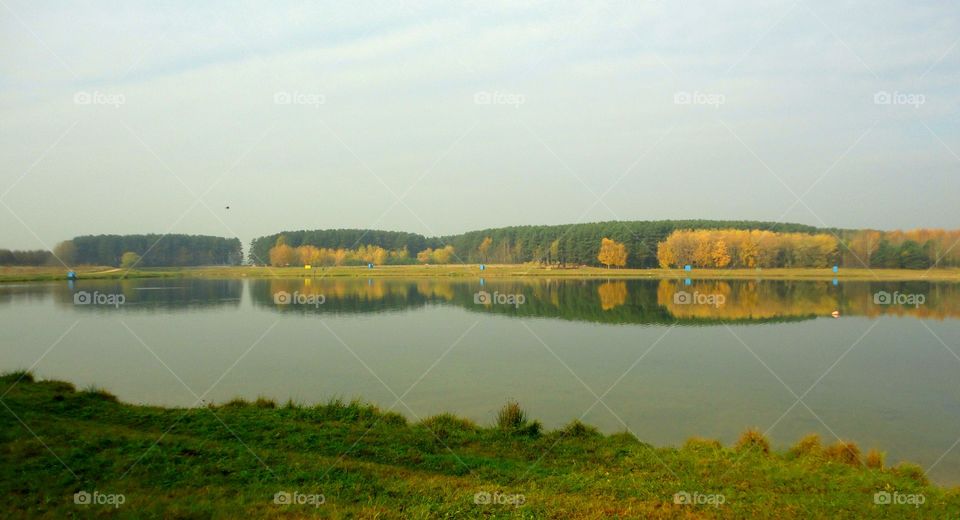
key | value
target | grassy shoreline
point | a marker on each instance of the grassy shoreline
(27, 274)
(232, 459)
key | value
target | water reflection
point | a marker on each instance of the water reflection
(696, 302)
(145, 294)
(621, 301)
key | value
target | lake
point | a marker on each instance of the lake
(664, 359)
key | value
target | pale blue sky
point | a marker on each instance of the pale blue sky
(116, 116)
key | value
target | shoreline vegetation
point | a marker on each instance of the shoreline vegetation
(706, 244)
(349, 459)
(49, 273)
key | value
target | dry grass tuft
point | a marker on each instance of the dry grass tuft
(753, 439)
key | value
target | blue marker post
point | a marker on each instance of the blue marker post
(482, 267)
(836, 268)
(687, 268)
(369, 266)
(71, 275)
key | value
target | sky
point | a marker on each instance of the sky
(444, 117)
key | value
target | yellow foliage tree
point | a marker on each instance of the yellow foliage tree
(746, 248)
(282, 254)
(484, 248)
(720, 255)
(443, 255)
(425, 256)
(612, 253)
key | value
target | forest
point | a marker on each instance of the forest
(576, 244)
(32, 257)
(150, 250)
(637, 244)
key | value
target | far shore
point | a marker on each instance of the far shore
(47, 273)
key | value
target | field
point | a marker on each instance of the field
(349, 460)
(21, 274)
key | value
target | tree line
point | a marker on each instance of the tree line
(33, 257)
(283, 254)
(739, 248)
(646, 244)
(338, 239)
(913, 249)
(150, 250)
(576, 244)
(632, 244)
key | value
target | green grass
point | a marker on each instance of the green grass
(22, 274)
(229, 461)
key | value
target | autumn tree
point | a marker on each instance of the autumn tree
(282, 255)
(612, 253)
(741, 248)
(309, 255)
(484, 248)
(443, 255)
(425, 256)
(555, 251)
(129, 259)
(719, 254)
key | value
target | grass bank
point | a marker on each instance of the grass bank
(20, 274)
(349, 460)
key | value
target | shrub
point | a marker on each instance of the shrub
(513, 419)
(22, 376)
(875, 459)
(753, 439)
(700, 443)
(263, 402)
(624, 437)
(511, 416)
(911, 471)
(236, 402)
(393, 418)
(808, 445)
(844, 452)
(99, 393)
(61, 386)
(446, 425)
(578, 429)
(531, 429)
(335, 409)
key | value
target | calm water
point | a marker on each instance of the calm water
(738, 355)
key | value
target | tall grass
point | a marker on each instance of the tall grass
(511, 418)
